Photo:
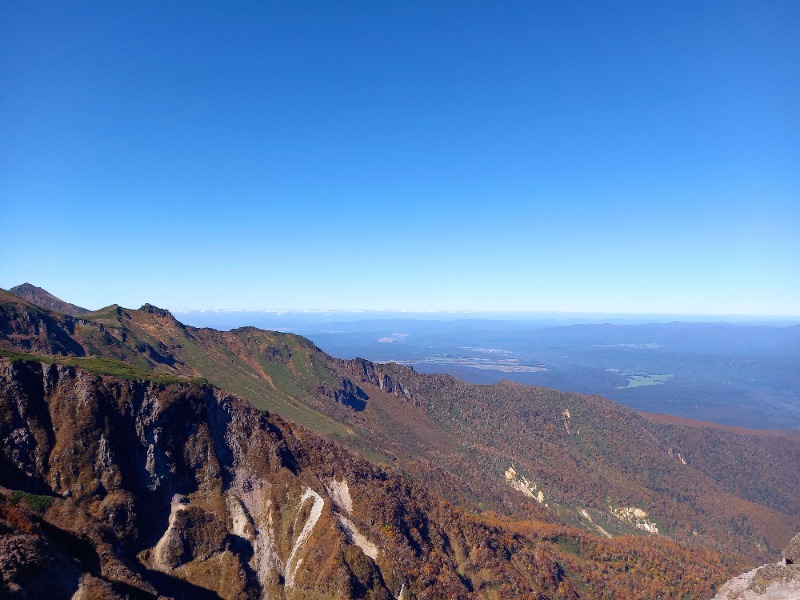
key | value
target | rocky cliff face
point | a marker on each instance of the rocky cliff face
(30, 328)
(115, 488)
(179, 481)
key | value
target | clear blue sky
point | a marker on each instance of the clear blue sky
(565, 156)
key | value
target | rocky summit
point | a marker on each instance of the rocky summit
(45, 299)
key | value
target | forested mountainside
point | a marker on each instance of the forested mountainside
(522, 458)
(138, 488)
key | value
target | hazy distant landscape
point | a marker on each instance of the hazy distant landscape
(742, 373)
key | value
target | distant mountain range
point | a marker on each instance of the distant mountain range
(156, 458)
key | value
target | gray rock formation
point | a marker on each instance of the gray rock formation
(777, 581)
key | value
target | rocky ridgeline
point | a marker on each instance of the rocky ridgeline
(43, 298)
(185, 490)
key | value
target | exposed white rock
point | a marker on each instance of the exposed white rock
(677, 455)
(104, 454)
(265, 555)
(313, 516)
(585, 514)
(339, 493)
(769, 582)
(150, 462)
(635, 516)
(178, 504)
(354, 536)
(250, 508)
(524, 485)
(241, 522)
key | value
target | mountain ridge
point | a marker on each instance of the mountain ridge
(182, 490)
(502, 450)
(45, 299)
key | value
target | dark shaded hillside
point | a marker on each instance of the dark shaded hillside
(134, 488)
(523, 452)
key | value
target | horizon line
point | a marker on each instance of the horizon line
(322, 311)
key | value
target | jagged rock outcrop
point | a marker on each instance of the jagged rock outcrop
(346, 393)
(388, 378)
(769, 582)
(791, 554)
(181, 480)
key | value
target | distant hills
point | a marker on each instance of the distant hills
(448, 481)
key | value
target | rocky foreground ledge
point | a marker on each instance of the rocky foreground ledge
(777, 581)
